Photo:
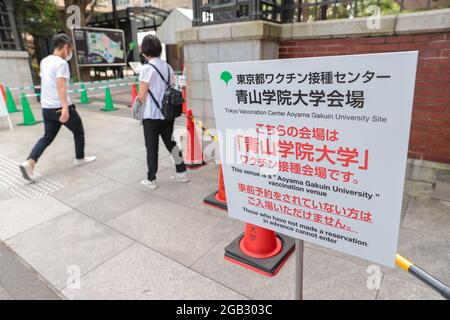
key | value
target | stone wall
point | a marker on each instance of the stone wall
(222, 43)
(15, 69)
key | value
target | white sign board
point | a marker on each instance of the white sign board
(316, 148)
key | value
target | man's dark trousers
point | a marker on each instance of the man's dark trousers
(52, 126)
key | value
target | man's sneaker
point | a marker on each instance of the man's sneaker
(27, 171)
(85, 160)
(180, 177)
(150, 184)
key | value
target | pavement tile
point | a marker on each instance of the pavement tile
(324, 277)
(126, 170)
(393, 288)
(428, 215)
(95, 193)
(179, 232)
(104, 158)
(74, 180)
(106, 139)
(189, 194)
(208, 209)
(209, 171)
(20, 281)
(18, 215)
(197, 181)
(140, 273)
(112, 205)
(136, 150)
(70, 240)
(427, 251)
(4, 295)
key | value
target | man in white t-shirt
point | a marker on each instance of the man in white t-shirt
(57, 107)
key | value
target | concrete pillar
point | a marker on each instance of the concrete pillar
(245, 41)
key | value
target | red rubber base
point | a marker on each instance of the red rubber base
(213, 201)
(195, 165)
(267, 266)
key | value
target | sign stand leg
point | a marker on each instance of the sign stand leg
(299, 269)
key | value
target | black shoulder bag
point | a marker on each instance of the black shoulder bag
(172, 103)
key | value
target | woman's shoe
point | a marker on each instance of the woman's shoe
(180, 178)
(150, 184)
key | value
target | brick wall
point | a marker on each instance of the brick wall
(430, 131)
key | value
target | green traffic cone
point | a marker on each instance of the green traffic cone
(84, 96)
(10, 103)
(28, 117)
(109, 105)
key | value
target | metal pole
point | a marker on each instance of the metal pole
(116, 21)
(298, 269)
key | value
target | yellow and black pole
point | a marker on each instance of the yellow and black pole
(423, 276)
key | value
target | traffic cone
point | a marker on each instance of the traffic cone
(84, 96)
(183, 93)
(218, 198)
(260, 250)
(193, 157)
(10, 103)
(28, 117)
(109, 105)
(133, 93)
(257, 249)
(3, 93)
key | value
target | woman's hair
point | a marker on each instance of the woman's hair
(151, 46)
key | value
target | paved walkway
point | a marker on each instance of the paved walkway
(126, 242)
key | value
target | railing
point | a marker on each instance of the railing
(285, 11)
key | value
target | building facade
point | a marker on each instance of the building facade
(106, 5)
(427, 32)
(14, 60)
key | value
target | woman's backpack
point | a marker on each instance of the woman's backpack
(172, 103)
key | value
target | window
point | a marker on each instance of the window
(9, 39)
(122, 2)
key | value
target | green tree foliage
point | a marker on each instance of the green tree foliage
(39, 18)
(386, 7)
(347, 9)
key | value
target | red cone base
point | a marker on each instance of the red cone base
(269, 263)
(195, 165)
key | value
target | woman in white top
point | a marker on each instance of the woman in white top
(154, 123)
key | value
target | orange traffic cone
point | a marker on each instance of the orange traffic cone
(258, 249)
(193, 157)
(259, 242)
(183, 93)
(133, 93)
(2, 89)
(218, 198)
